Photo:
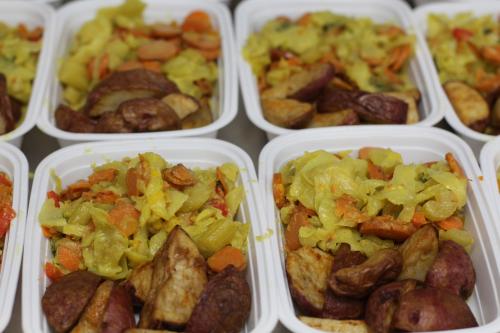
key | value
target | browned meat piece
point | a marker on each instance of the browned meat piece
(179, 276)
(287, 113)
(91, 319)
(419, 252)
(179, 175)
(119, 314)
(452, 270)
(381, 109)
(149, 114)
(432, 309)
(73, 121)
(139, 282)
(7, 119)
(224, 305)
(344, 117)
(112, 122)
(64, 301)
(307, 271)
(359, 280)
(335, 100)
(182, 104)
(123, 86)
(383, 302)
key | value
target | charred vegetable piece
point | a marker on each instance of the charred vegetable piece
(179, 276)
(383, 302)
(306, 86)
(409, 98)
(419, 252)
(139, 282)
(358, 281)
(182, 104)
(344, 117)
(119, 314)
(123, 86)
(336, 326)
(431, 309)
(224, 305)
(307, 271)
(452, 270)
(335, 100)
(64, 301)
(381, 109)
(469, 105)
(287, 113)
(92, 317)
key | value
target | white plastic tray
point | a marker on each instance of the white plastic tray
(33, 15)
(15, 165)
(482, 7)
(490, 162)
(73, 163)
(72, 16)
(425, 2)
(251, 15)
(416, 145)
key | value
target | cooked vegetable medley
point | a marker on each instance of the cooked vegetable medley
(98, 73)
(19, 50)
(7, 213)
(333, 60)
(120, 216)
(466, 51)
(376, 245)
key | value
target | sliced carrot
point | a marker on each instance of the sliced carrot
(54, 196)
(278, 190)
(225, 257)
(125, 218)
(102, 66)
(106, 197)
(131, 180)
(374, 172)
(297, 221)
(221, 180)
(23, 31)
(105, 175)
(69, 255)
(454, 165)
(209, 54)
(75, 190)
(129, 65)
(35, 34)
(304, 20)
(452, 222)
(52, 272)
(402, 53)
(364, 152)
(419, 219)
(345, 207)
(391, 76)
(392, 31)
(48, 232)
(154, 66)
(198, 21)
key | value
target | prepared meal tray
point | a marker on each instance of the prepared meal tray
(381, 235)
(490, 164)
(147, 235)
(25, 34)
(13, 209)
(307, 64)
(140, 69)
(464, 42)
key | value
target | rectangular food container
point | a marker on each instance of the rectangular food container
(73, 15)
(490, 162)
(251, 15)
(33, 15)
(14, 164)
(415, 145)
(425, 2)
(475, 139)
(73, 163)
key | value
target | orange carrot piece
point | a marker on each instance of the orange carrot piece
(198, 21)
(364, 152)
(220, 178)
(304, 20)
(454, 165)
(52, 272)
(403, 52)
(102, 69)
(452, 222)
(125, 218)
(69, 256)
(131, 180)
(278, 190)
(226, 256)
(391, 76)
(106, 197)
(23, 31)
(297, 220)
(129, 65)
(48, 232)
(419, 219)
(374, 172)
(154, 66)
(106, 175)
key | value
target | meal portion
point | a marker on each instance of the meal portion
(325, 69)
(142, 235)
(124, 75)
(7, 213)
(19, 50)
(466, 51)
(376, 245)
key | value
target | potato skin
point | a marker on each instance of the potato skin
(419, 252)
(287, 113)
(73, 121)
(148, 114)
(335, 100)
(383, 302)
(64, 301)
(91, 319)
(431, 309)
(359, 280)
(409, 98)
(452, 270)
(470, 106)
(119, 314)
(139, 282)
(307, 271)
(224, 305)
(310, 84)
(381, 109)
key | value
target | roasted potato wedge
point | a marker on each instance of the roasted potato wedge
(8, 109)
(112, 122)
(139, 282)
(419, 252)
(335, 100)
(468, 103)
(382, 109)
(182, 104)
(409, 98)
(431, 309)
(307, 271)
(119, 314)
(200, 118)
(224, 305)
(64, 301)
(452, 270)
(73, 121)
(306, 86)
(344, 117)
(149, 114)
(123, 86)
(336, 326)
(92, 317)
(287, 113)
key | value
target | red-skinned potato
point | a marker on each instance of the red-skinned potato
(381, 109)
(345, 117)
(431, 309)
(307, 86)
(419, 252)
(335, 100)
(73, 121)
(287, 113)
(119, 314)
(409, 98)
(91, 319)
(452, 270)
